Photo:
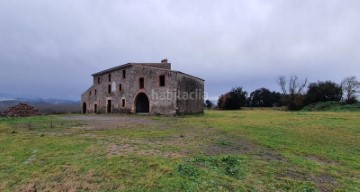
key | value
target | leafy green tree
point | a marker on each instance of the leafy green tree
(260, 98)
(209, 104)
(264, 98)
(276, 99)
(322, 92)
(234, 99)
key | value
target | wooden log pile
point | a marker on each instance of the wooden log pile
(20, 110)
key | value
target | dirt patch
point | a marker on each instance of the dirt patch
(105, 122)
(126, 149)
(31, 187)
(230, 146)
(154, 152)
(269, 155)
(326, 182)
(186, 140)
(296, 175)
(323, 182)
(322, 161)
(123, 149)
(226, 148)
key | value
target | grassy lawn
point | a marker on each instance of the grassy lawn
(247, 150)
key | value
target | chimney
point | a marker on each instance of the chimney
(164, 61)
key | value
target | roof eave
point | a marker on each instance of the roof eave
(112, 69)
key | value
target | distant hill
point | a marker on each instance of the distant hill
(47, 106)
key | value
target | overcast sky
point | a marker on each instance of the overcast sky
(49, 49)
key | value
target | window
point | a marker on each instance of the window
(123, 103)
(109, 88)
(162, 80)
(109, 77)
(141, 83)
(98, 80)
(95, 92)
(124, 74)
(90, 93)
(95, 108)
(120, 88)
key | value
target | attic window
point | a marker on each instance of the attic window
(98, 80)
(109, 77)
(162, 80)
(109, 88)
(124, 74)
(141, 83)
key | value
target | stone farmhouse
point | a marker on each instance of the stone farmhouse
(151, 88)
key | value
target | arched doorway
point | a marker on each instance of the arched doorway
(84, 108)
(142, 103)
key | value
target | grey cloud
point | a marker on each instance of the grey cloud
(50, 48)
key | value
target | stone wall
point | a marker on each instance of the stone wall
(159, 104)
(191, 94)
(162, 99)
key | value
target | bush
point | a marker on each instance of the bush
(332, 106)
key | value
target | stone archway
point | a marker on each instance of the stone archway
(142, 103)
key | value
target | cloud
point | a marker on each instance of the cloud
(50, 48)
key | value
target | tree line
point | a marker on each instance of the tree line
(295, 94)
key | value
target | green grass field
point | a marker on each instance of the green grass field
(246, 150)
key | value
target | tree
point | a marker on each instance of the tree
(208, 104)
(350, 87)
(322, 92)
(234, 99)
(293, 94)
(264, 98)
(276, 99)
(260, 98)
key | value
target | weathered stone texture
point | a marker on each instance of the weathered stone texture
(168, 99)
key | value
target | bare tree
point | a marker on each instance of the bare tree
(350, 87)
(282, 82)
(296, 86)
(293, 94)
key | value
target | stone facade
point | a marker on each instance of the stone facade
(144, 88)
